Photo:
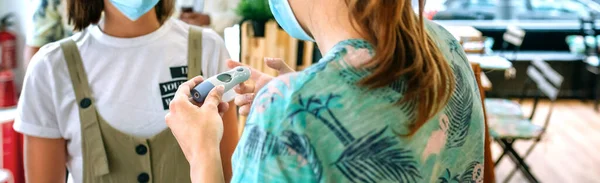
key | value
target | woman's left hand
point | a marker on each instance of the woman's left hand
(197, 127)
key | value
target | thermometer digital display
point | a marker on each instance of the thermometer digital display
(228, 79)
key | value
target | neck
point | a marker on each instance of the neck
(334, 29)
(118, 25)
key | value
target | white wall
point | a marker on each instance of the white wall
(18, 8)
(232, 41)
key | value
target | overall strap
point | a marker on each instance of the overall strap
(92, 143)
(194, 52)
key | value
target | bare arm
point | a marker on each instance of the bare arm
(230, 139)
(199, 130)
(207, 166)
(45, 160)
(28, 54)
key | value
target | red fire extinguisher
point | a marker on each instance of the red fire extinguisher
(8, 44)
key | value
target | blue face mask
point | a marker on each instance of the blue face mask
(282, 11)
(134, 9)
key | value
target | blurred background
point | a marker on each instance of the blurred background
(541, 131)
(536, 62)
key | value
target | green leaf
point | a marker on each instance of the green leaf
(257, 10)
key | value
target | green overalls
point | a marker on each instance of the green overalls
(110, 156)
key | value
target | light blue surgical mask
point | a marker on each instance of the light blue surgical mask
(282, 11)
(134, 9)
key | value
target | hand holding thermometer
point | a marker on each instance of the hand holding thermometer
(228, 79)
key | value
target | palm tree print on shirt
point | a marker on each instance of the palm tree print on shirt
(373, 157)
(262, 144)
(456, 49)
(472, 174)
(459, 109)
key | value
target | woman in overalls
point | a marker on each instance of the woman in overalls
(95, 102)
(393, 99)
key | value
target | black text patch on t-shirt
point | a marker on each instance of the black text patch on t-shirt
(179, 72)
(166, 101)
(168, 89)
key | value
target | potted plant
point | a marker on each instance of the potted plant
(257, 12)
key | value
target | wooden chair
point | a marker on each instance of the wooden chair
(507, 123)
(488, 175)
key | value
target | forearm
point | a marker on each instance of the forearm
(230, 139)
(206, 166)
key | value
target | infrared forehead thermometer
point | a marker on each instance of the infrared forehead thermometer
(228, 79)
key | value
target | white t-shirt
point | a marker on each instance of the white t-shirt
(132, 81)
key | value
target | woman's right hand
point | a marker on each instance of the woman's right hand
(248, 91)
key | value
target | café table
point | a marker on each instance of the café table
(472, 41)
(463, 32)
(490, 63)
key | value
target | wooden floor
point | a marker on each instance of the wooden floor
(570, 151)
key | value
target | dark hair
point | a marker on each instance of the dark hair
(403, 48)
(82, 13)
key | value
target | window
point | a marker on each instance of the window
(507, 9)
